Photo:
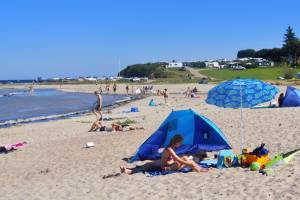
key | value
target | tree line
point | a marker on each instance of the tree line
(289, 52)
(151, 70)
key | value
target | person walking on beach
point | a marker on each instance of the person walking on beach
(127, 89)
(188, 93)
(107, 88)
(100, 89)
(115, 87)
(31, 89)
(165, 94)
(98, 107)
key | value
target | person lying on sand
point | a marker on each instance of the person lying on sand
(97, 125)
(170, 161)
(11, 147)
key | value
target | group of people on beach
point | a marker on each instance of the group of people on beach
(163, 93)
(107, 88)
(191, 93)
(98, 124)
(169, 160)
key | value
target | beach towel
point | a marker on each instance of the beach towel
(134, 109)
(152, 173)
(266, 106)
(209, 163)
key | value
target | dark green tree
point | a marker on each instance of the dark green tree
(275, 54)
(291, 46)
(156, 70)
(246, 53)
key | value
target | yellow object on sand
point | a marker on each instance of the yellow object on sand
(262, 160)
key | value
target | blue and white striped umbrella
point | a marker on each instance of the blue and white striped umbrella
(241, 93)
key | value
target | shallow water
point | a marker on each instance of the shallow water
(17, 104)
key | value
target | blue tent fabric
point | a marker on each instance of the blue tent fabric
(241, 93)
(199, 133)
(292, 97)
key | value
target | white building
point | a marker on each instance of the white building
(212, 64)
(90, 78)
(174, 64)
(265, 63)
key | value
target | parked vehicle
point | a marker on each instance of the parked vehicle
(203, 81)
(239, 67)
(135, 79)
(280, 78)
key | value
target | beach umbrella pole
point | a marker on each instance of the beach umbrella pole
(241, 121)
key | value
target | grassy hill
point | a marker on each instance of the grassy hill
(271, 73)
(176, 75)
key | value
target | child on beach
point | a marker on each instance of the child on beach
(100, 90)
(280, 99)
(170, 160)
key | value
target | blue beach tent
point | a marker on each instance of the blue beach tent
(292, 97)
(199, 133)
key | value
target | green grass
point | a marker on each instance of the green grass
(271, 73)
(176, 75)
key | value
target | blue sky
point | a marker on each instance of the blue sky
(87, 37)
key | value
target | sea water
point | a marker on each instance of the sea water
(17, 105)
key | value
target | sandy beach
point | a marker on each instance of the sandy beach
(54, 164)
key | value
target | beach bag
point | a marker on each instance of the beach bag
(226, 158)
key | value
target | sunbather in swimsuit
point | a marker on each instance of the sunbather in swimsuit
(114, 127)
(170, 160)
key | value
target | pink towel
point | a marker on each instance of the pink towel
(18, 145)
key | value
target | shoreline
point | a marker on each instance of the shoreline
(118, 103)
